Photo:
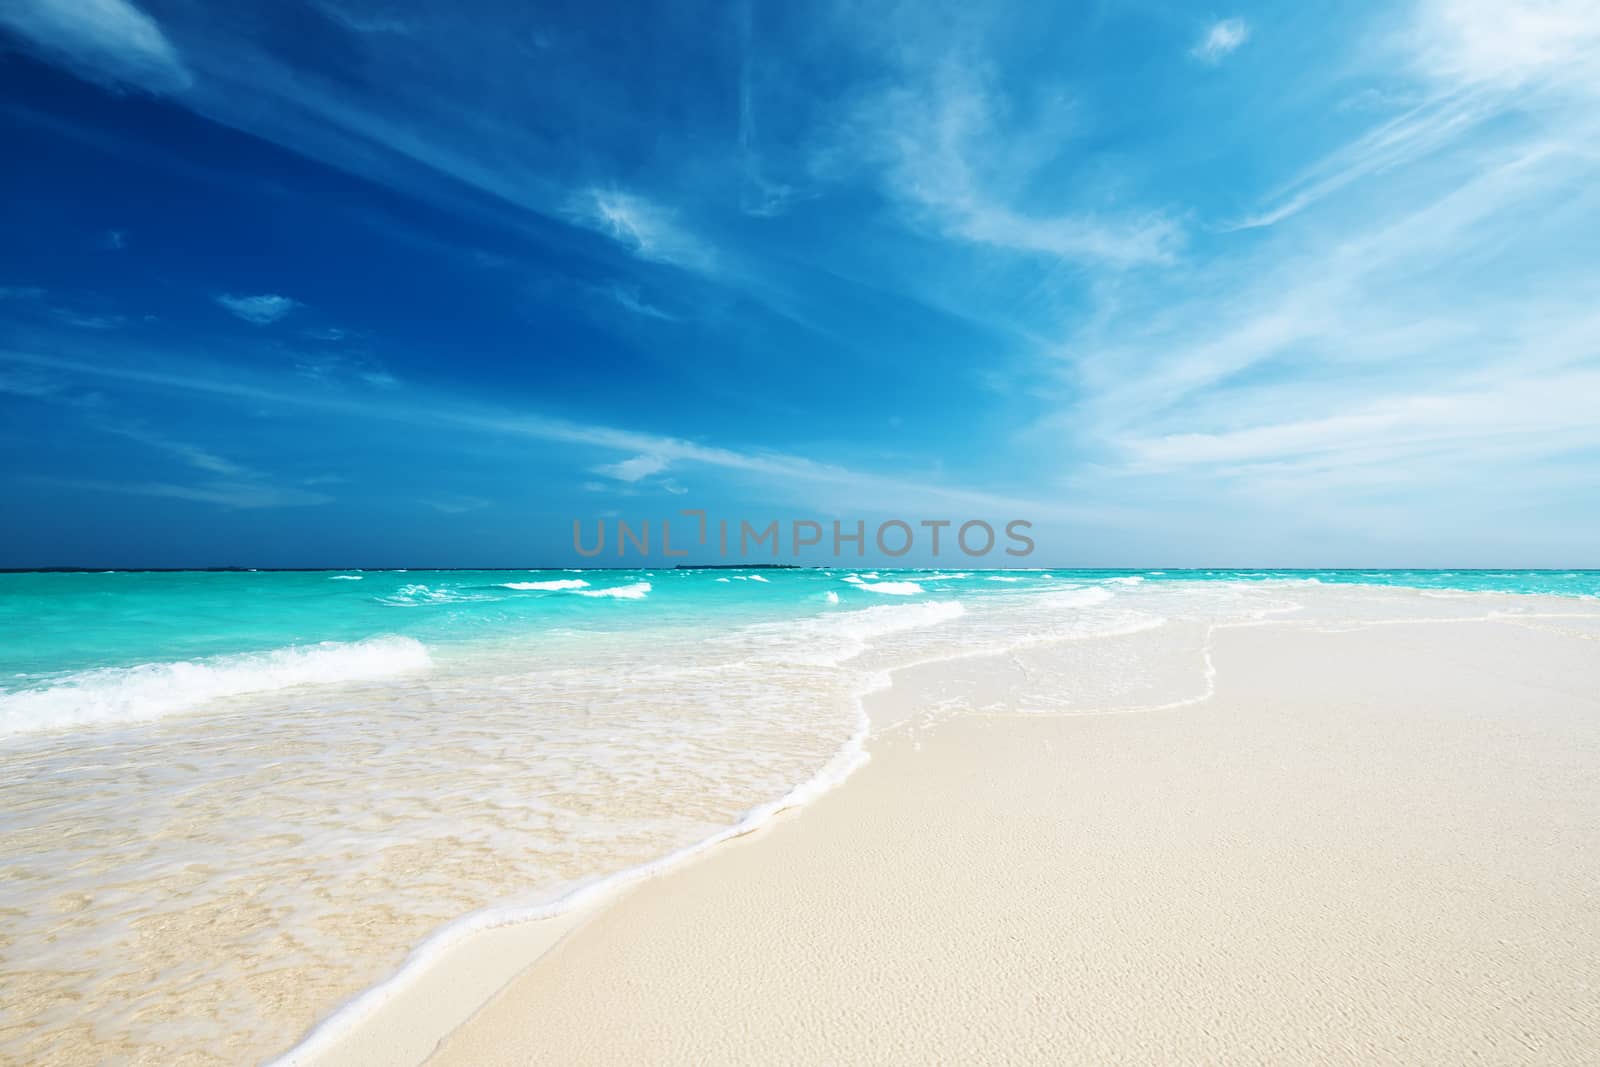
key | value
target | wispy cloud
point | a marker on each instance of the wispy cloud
(108, 41)
(31, 300)
(202, 459)
(1221, 40)
(32, 386)
(86, 321)
(231, 484)
(1426, 340)
(262, 310)
(629, 299)
(1413, 135)
(1474, 61)
(365, 19)
(235, 495)
(952, 150)
(644, 228)
(344, 370)
(778, 474)
(452, 504)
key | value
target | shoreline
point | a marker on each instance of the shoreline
(685, 930)
(465, 963)
(464, 968)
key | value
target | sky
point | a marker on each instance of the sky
(343, 282)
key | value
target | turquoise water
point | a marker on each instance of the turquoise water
(61, 623)
(54, 624)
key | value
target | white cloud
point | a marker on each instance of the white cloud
(1508, 43)
(644, 228)
(106, 41)
(1220, 40)
(260, 310)
(635, 469)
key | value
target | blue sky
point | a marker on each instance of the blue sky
(336, 281)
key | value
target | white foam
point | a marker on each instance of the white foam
(835, 637)
(345, 577)
(758, 578)
(1004, 578)
(636, 591)
(153, 690)
(412, 596)
(558, 583)
(889, 588)
(1077, 596)
(833, 598)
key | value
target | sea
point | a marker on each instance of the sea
(238, 803)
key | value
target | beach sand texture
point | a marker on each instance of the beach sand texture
(1374, 842)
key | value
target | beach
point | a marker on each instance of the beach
(744, 533)
(828, 816)
(1365, 842)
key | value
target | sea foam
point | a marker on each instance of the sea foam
(554, 584)
(889, 588)
(152, 690)
(636, 591)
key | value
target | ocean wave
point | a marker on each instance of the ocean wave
(154, 690)
(889, 588)
(636, 591)
(555, 584)
(1004, 578)
(413, 596)
(345, 577)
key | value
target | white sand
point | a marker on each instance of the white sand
(1380, 845)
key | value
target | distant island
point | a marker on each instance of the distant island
(740, 567)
